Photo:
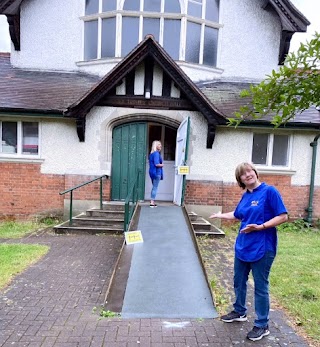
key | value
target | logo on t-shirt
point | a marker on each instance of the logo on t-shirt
(254, 202)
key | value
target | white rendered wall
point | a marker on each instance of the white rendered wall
(51, 39)
(51, 35)
(64, 154)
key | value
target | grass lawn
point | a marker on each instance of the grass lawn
(295, 278)
(15, 258)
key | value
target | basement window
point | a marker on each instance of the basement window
(19, 138)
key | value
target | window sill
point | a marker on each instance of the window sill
(274, 171)
(30, 160)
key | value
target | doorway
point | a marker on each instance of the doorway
(131, 144)
(167, 136)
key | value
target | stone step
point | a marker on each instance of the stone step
(113, 206)
(65, 228)
(108, 214)
(213, 232)
(201, 224)
(83, 219)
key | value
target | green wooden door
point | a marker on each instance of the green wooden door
(128, 155)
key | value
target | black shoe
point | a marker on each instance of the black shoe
(258, 333)
(234, 316)
(153, 205)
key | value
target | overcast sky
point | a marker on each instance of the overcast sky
(310, 8)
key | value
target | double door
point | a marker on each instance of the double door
(130, 151)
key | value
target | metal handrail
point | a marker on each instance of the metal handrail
(131, 197)
(79, 186)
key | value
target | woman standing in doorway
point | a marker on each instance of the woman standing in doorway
(155, 170)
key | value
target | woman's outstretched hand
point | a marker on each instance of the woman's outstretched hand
(216, 215)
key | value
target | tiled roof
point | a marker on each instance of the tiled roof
(225, 97)
(46, 92)
(53, 92)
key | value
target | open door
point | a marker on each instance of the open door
(181, 159)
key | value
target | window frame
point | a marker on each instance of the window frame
(268, 164)
(20, 153)
(183, 17)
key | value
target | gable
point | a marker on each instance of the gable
(163, 84)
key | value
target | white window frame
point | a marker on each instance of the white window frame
(19, 153)
(182, 16)
(268, 164)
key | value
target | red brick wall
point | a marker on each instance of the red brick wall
(227, 195)
(26, 192)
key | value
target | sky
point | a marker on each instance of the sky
(310, 9)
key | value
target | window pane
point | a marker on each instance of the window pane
(109, 5)
(152, 5)
(169, 144)
(210, 46)
(90, 40)
(92, 6)
(151, 26)
(193, 42)
(171, 43)
(131, 5)
(130, 34)
(280, 150)
(195, 8)
(30, 138)
(172, 6)
(259, 148)
(9, 137)
(108, 37)
(212, 10)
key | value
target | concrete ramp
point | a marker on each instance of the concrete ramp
(166, 278)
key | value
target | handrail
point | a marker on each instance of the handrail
(131, 197)
(70, 190)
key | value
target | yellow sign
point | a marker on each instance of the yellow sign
(133, 237)
(183, 170)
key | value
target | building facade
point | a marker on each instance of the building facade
(90, 84)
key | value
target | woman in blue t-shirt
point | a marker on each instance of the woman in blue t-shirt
(259, 210)
(155, 169)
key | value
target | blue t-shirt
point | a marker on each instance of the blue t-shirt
(154, 171)
(257, 207)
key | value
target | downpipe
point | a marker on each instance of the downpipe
(314, 145)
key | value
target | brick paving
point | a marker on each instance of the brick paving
(51, 304)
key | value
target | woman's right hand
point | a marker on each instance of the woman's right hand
(216, 215)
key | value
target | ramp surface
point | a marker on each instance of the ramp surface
(166, 279)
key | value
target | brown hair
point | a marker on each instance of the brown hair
(240, 170)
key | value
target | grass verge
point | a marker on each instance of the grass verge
(15, 258)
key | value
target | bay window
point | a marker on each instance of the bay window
(186, 29)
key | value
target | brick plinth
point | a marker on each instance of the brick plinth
(26, 192)
(227, 195)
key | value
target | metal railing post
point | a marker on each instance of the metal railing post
(101, 193)
(70, 210)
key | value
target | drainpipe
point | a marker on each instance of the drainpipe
(314, 145)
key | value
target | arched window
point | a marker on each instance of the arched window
(186, 29)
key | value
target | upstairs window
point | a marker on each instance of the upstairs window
(270, 150)
(187, 29)
(19, 138)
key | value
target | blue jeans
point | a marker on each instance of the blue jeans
(260, 272)
(155, 184)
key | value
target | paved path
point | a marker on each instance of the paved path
(51, 304)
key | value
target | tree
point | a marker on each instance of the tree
(285, 93)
